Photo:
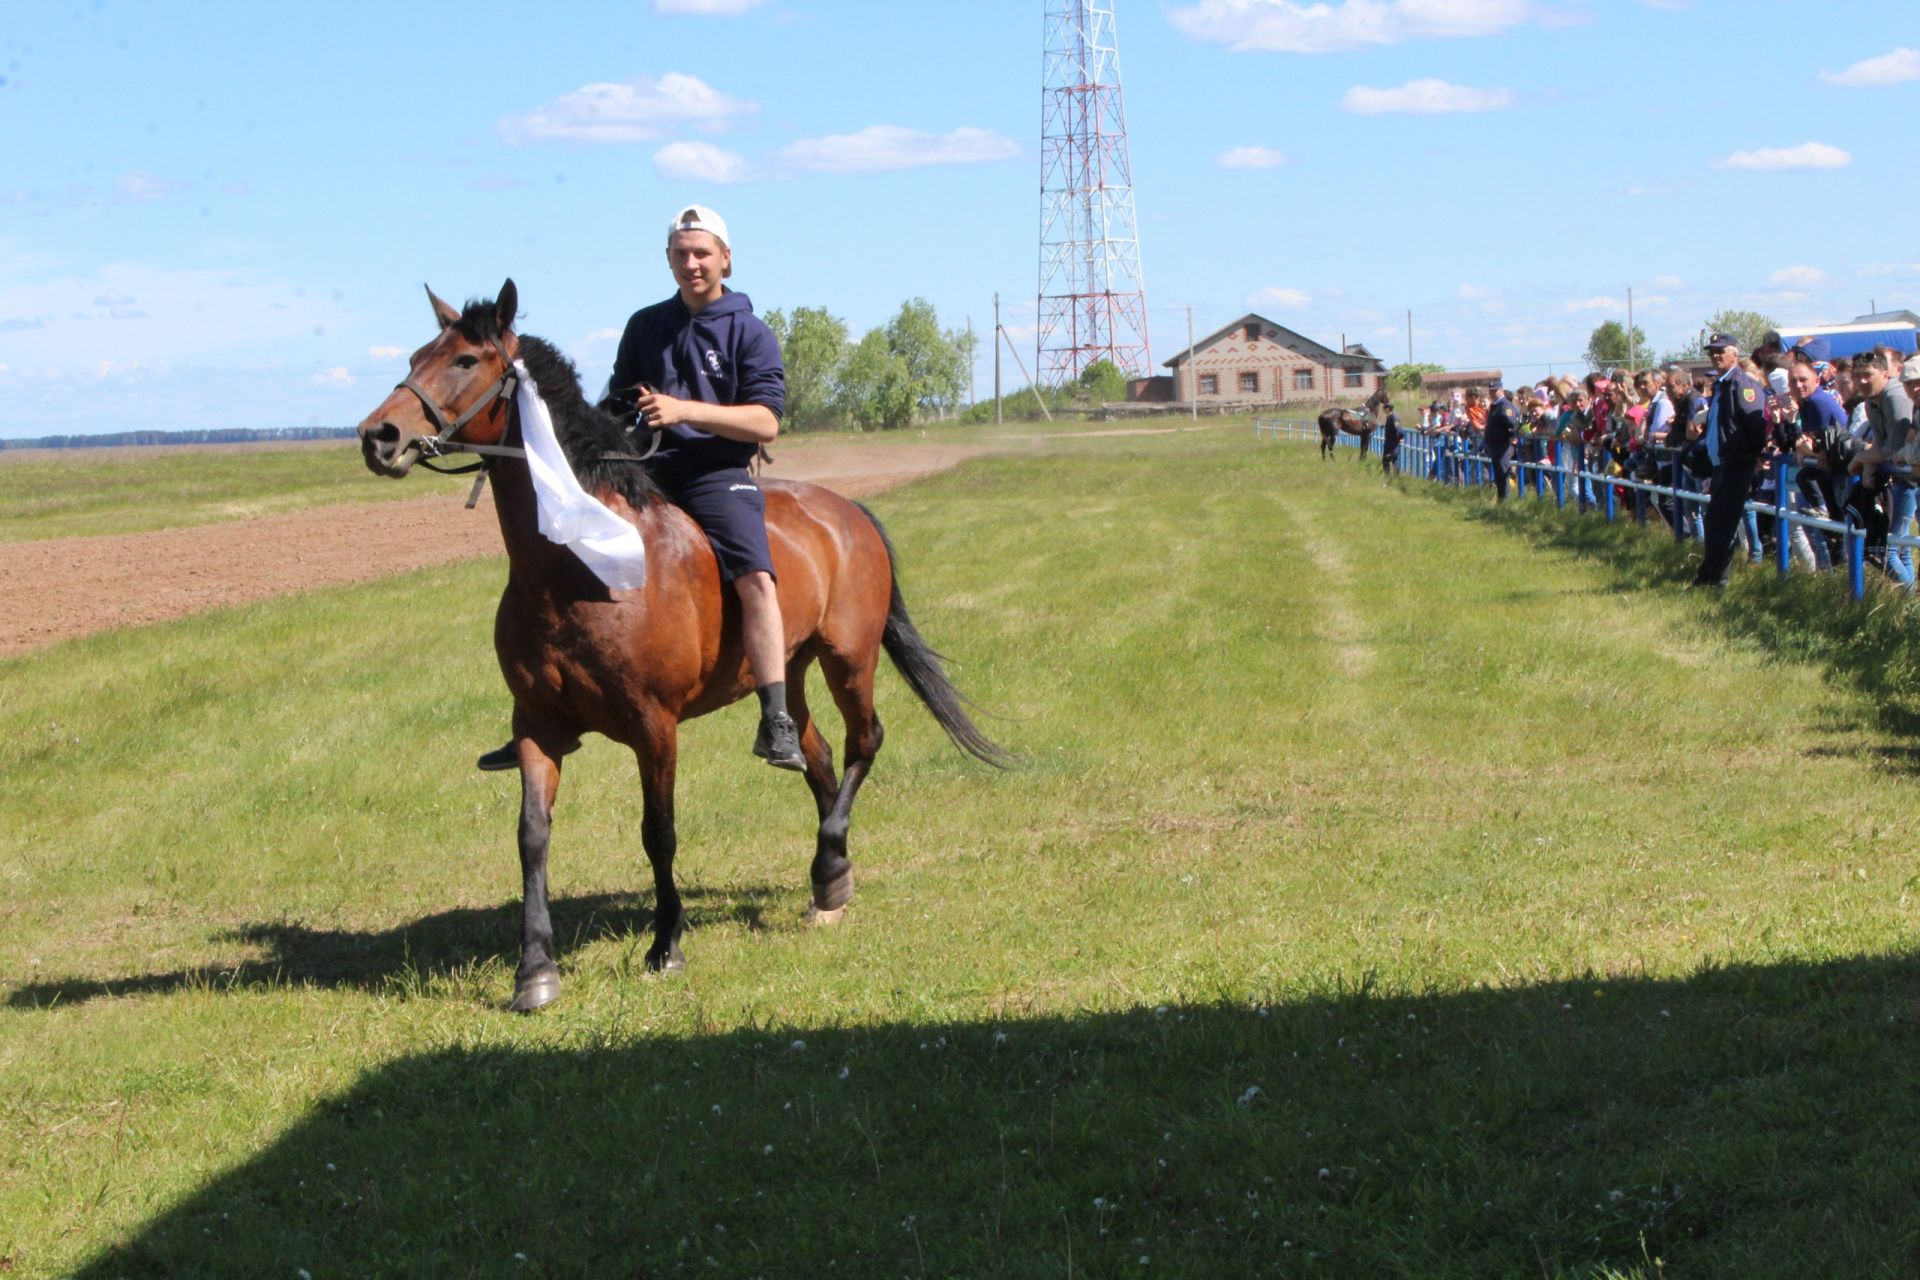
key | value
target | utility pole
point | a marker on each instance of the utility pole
(996, 359)
(1193, 375)
(1631, 344)
(970, 351)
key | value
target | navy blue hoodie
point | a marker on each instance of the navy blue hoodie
(725, 355)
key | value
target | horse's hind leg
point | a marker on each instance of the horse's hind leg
(832, 872)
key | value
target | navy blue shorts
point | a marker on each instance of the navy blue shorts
(728, 506)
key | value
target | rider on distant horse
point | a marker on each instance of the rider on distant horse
(706, 373)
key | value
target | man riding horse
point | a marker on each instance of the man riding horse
(706, 374)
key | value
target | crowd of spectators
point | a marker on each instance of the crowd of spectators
(1843, 428)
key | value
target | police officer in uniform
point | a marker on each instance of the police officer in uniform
(1736, 434)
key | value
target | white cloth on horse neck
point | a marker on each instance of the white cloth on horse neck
(569, 515)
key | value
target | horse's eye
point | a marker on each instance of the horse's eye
(467, 362)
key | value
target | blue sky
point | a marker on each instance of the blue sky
(220, 214)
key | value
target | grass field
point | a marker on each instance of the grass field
(1391, 887)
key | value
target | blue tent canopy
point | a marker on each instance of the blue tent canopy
(1840, 341)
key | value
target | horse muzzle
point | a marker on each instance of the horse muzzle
(387, 450)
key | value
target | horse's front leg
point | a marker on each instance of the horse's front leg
(659, 758)
(536, 982)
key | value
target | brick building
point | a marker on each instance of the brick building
(1254, 362)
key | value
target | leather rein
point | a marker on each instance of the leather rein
(504, 388)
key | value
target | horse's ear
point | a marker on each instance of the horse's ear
(507, 305)
(445, 314)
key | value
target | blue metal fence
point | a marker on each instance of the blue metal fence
(1445, 459)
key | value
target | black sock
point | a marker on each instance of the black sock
(773, 698)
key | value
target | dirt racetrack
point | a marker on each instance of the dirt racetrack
(59, 588)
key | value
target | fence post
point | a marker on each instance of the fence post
(1783, 549)
(1856, 559)
(1609, 502)
(1559, 475)
(1680, 507)
(1640, 506)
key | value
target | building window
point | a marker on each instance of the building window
(1355, 378)
(1253, 333)
(1250, 384)
(1303, 379)
(1209, 384)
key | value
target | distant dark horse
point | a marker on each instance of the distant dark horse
(1334, 421)
(577, 659)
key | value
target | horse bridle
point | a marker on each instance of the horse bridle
(504, 388)
(444, 443)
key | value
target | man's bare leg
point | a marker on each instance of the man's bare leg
(763, 635)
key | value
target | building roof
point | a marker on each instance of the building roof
(1901, 316)
(1459, 377)
(1300, 342)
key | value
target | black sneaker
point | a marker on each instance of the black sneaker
(778, 742)
(501, 759)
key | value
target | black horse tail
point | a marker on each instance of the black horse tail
(922, 668)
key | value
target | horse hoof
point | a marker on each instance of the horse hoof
(833, 895)
(670, 962)
(822, 919)
(536, 992)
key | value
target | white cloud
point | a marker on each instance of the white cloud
(1283, 26)
(1808, 155)
(708, 8)
(144, 188)
(337, 376)
(1472, 293)
(882, 147)
(700, 162)
(1640, 189)
(1598, 304)
(1423, 98)
(1891, 269)
(386, 353)
(632, 111)
(1800, 277)
(1897, 67)
(1250, 158)
(202, 315)
(1280, 298)
(1667, 282)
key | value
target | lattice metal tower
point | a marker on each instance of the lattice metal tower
(1093, 301)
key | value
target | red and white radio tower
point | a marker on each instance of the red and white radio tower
(1093, 301)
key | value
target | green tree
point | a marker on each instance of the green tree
(813, 343)
(1680, 355)
(1748, 328)
(936, 371)
(875, 387)
(1101, 382)
(910, 368)
(1406, 377)
(1608, 346)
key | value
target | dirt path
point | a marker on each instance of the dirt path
(64, 587)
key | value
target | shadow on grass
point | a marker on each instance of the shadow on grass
(1754, 1121)
(431, 947)
(1871, 646)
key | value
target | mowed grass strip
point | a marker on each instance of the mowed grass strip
(1382, 893)
(79, 493)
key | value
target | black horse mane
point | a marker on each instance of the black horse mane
(588, 436)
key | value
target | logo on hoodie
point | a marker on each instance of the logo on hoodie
(713, 362)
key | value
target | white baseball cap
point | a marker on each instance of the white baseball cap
(697, 217)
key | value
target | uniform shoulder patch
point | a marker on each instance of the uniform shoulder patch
(1746, 393)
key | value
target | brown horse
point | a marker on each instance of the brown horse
(632, 665)
(1335, 420)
